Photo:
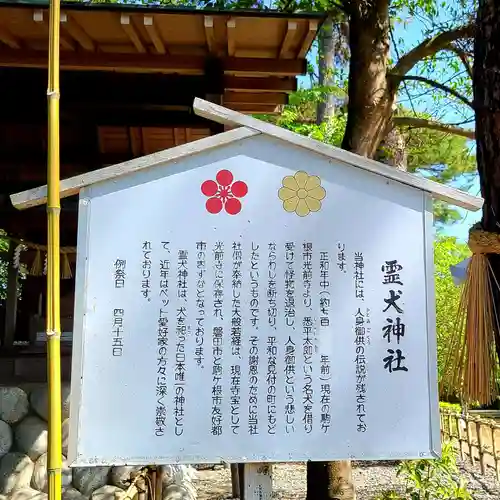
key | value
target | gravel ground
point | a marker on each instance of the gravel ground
(371, 478)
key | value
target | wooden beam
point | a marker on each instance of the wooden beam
(270, 84)
(129, 29)
(208, 22)
(153, 35)
(255, 98)
(9, 39)
(254, 109)
(39, 18)
(71, 26)
(286, 45)
(231, 41)
(146, 63)
(136, 142)
(308, 39)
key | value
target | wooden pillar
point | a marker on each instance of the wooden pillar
(214, 88)
(11, 302)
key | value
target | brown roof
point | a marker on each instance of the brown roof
(160, 40)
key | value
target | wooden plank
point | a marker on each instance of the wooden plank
(71, 26)
(257, 481)
(11, 302)
(129, 29)
(38, 17)
(9, 39)
(439, 191)
(208, 22)
(153, 35)
(264, 67)
(308, 39)
(72, 186)
(254, 109)
(261, 85)
(274, 98)
(286, 45)
(231, 37)
(193, 65)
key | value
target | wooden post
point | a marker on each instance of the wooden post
(450, 429)
(482, 455)
(153, 475)
(160, 471)
(469, 441)
(11, 302)
(495, 453)
(459, 432)
(257, 481)
(235, 481)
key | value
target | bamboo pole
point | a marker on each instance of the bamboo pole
(495, 453)
(460, 437)
(481, 448)
(469, 442)
(54, 462)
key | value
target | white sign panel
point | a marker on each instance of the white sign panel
(253, 303)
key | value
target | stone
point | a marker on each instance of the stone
(121, 476)
(177, 473)
(28, 494)
(108, 492)
(88, 479)
(6, 438)
(32, 436)
(14, 404)
(72, 494)
(16, 470)
(39, 399)
(39, 480)
(176, 492)
(65, 437)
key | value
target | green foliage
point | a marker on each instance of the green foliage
(450, 406)
(440, 156)
(447, 252)
(431, 479)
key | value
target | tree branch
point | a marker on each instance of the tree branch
(429, 47)
(411, 122)
(463, 57)
(439, 86)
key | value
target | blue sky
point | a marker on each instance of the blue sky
(409, 35)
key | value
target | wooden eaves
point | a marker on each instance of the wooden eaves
(247, 127)
(259, 53)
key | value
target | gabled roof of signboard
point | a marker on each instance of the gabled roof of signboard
(246, 126)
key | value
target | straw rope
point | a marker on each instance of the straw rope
(471, 363)
(38, 266)
(483, 242)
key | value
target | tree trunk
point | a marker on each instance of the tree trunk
(371, 95)
(392, 150)
(371, 99)
(326, 54)
(486, 84)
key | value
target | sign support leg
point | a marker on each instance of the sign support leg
(256, 481)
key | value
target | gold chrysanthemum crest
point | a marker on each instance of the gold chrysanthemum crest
(301, 193)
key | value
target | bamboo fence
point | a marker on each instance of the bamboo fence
(477, 439)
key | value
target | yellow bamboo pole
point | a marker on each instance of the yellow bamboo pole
(54, 463)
